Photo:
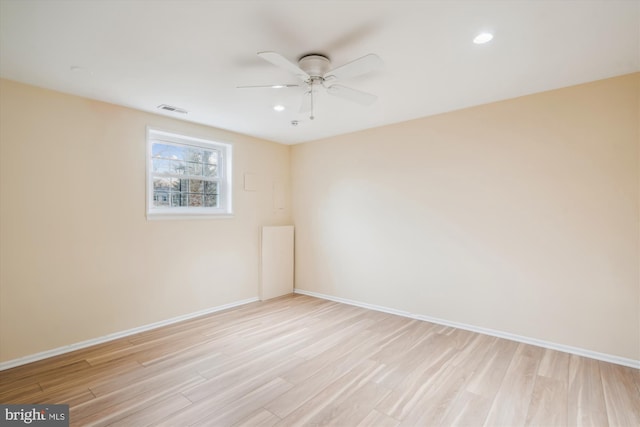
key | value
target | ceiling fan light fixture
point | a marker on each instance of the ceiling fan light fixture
(483, 38)
(315, 72)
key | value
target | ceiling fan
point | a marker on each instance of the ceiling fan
(315, 72)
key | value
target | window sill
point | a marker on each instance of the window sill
(155, 216)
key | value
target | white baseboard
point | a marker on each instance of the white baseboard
(77, 346)
(486, 331)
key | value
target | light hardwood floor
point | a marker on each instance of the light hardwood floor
(299, 360)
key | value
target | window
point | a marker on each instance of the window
(187, 176)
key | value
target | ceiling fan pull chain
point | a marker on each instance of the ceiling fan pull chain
(311, 116)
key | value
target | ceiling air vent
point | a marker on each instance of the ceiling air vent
(173, 109)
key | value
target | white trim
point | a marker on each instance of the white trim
(88, 343)
(486, 331)
(190, 215)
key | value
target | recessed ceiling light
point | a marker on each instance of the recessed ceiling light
(277, 86)
(483, 38)
(278, 108)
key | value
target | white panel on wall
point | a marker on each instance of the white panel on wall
(277, 262)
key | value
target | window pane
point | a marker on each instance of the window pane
(175, 167)
(196, 186)
(210, 157)
(210, 167)
(162, 184)
(165, 151)
(195, 200)
(184, 192)
(191, 199)
(194, 168)
(210, 187)
(172, 160)
(211, 200)
(194, 154)
(178, 167)
(187, 173)
(161, 165)
(160, 198)
(176, 199)
(210, 170)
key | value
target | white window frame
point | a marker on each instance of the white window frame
(225, 197)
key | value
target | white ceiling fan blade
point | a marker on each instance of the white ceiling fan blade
(356, 67)
(305, 107)
(350, 94)
(279, 86)
(282, 62)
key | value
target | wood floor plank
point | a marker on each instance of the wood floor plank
(443, 389)
(404, 397)
(451, 382)
(335, 339)
(621, 395)
(474, 346)
(378, 419)
(299, 360)
(487, 379)
(466, 409)
(259, 418)
(87, 375)
(553, 364)
(154, 412)
(403, 342)
(43, 376)
(21, 394)
(352, 408)
(242, 375)
(147, 350)
(107, 409)
(586, 404)
(324, 400)
(47, 365)
(459, 338)
(360, 344)
(548, 405)
(212, 412)
(301, 393)
(178, 366)
(395, 372)
(390, 324)
(265, 352)
(72, 397)
(511, 403)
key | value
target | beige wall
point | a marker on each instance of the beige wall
(520, 216)
(78, 258)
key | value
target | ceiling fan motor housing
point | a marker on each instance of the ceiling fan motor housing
(315, 65)
(313, 70)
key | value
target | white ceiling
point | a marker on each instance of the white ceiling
(193, 54)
